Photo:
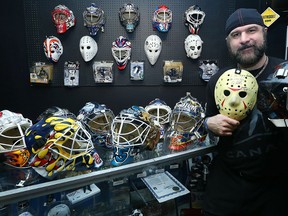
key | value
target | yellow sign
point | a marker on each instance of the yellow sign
(269, 16)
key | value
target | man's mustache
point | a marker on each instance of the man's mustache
(245, 46)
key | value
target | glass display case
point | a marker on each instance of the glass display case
(96, 191)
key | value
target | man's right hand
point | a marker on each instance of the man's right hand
(222, 125)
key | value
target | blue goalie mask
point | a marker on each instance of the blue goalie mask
(121, 51)
(97, 118)
(186, 122)
(162, 19)
(94, 19)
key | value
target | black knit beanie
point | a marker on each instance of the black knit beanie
(241, 17)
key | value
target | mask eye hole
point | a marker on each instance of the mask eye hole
(226, 93)
(242, 94)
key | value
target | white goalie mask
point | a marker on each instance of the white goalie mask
(193, 46)
(135, 127)
(121, 51)
(53, 48)
(88, 48)
(160, 110)
(153, 47)
(12, 131)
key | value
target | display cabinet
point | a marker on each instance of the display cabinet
(11, 197)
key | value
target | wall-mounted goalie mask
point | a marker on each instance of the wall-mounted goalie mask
(152, 48)
(193, 46)
(129, 16)
(94, 19)
(194, 17)
(162, 19)
(121, 51)
(63, 18)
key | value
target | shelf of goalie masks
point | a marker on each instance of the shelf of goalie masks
(21, 184)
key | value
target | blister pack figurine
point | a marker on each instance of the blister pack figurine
(136, 70)
(41, 72)
(71, 73)
(172, 71)
(207, 69)
(103, 71)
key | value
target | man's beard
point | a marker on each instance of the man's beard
(248, 61)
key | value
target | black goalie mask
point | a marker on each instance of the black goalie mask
(274, 96)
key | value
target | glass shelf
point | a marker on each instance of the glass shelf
(37, 190)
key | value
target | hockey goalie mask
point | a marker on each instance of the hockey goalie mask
(179, 141)
(162, 19)
(186, 121)
(274, 96)
(88, 48)
(159, 110)
(68, 146)
(121, 51)
(129, 16)
(12, 138)
(53, 48)
(38, 134)
(63, 18)
(56, 112)
(236, 93)
(94, 19)
(186, 114)
(194, 17)
(153, 47)
(97, 118)
(133, 129)
(193, 46)
(12, 131)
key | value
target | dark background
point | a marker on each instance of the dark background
(25, 24)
